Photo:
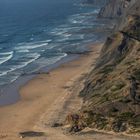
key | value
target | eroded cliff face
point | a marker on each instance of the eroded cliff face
(133, 9)
(120, 11)
(112, 89)
(115, 8)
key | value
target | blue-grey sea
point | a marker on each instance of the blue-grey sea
(37, 33)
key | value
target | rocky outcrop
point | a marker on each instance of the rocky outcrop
(115, 8)
(133, 9)
(112, 9)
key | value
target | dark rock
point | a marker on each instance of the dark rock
(31, 134)
(113, 109)
(75, 128)
(119, 126)
(57, 125)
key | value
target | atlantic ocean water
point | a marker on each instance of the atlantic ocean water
(37, 33)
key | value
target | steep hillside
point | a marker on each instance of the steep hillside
(112, 90)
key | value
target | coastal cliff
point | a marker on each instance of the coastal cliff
(115, 8)
(112, 89)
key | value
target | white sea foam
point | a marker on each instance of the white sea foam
(67, 35)
(5, 56)
(77, 19)
(6, 53)
(52, 60)
(13, 79)
(23, 51)
(96, 11)
(29, 46)
(71, 38)
(25, 47)
(83, 17)
(31, 43)
(64, 30)
(51, 46)
(45, 41)
(29, 59)
(58, 31)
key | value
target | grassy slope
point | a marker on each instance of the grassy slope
(112, 90)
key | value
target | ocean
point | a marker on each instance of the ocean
(38, 33)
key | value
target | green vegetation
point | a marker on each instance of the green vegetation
(109, 89)
(125, 100)
(118, 86)
(137, 74)
(96, 120)
(107, 69)
(104, 99)
(135, 29)
(114, 109)
(130, 62)
(125, 116)
(95, 95)
(135, 122)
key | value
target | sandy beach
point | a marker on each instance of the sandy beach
(47, 99)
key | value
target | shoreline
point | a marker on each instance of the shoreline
(39, 93)
(6, 98)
